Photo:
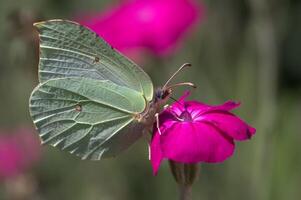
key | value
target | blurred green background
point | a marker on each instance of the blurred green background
(246, 50)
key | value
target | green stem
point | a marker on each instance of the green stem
(185, 192)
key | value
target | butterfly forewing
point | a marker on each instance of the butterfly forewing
(71, 50)
(87, 117)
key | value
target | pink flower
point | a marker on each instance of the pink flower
(193, 132)
(18, 152)
(156, 25)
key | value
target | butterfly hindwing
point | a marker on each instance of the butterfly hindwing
(68, 49)
(87, 117)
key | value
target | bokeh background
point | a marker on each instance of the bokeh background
(245, 50)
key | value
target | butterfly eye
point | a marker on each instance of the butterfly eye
(162, 94)
(165, 93)
(159, 94)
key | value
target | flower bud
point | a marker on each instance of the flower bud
(184, 174)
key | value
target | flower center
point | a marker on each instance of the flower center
(185, 116)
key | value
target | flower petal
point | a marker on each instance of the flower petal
(155, 25)
(230, 124)
(195, 142)
(198, 108)
(155, 153)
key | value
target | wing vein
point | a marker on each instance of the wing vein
(108, 138)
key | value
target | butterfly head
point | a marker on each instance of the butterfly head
(163, 94)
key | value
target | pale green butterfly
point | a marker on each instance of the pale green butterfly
(91, 100)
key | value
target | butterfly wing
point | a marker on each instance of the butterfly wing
(68, 49)
(87, 117)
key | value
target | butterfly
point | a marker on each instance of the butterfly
(91, 100)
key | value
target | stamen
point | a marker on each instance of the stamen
(186, 116)
(176, 116)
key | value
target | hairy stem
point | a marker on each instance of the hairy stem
(185, 192)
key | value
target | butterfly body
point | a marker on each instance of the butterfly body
(147, 117)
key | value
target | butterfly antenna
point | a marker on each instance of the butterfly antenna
(180, 69)
(180, 84)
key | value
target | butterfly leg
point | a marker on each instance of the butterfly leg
(158, 127)
(149, 152)
(158, 123)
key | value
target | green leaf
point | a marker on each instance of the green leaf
(87, 117)
(71, 50)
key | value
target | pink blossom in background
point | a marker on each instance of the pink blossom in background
(19, 150)
(154, 25)
(193, 132)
